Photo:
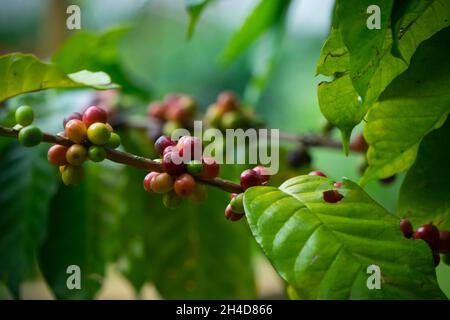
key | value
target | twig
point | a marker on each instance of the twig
(127, 159)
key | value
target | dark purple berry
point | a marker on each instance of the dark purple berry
(406, 228)
(332, 196)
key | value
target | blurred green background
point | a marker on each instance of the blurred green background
(194, 253)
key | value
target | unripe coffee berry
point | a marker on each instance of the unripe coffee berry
(250, 178)
(24, 115)
(97, 153)
(57, 155)
(171, 200)
(231, 215)
(263, 172)
(444, 241)
(94, 114)
(75, 130)
(30, 136)
(114, 141)
(210, 169)
(332, 196)
(72, 175)
(72, 116)
(232, 120)
(76, 154)
(406, 228)
(237, 203)
(148, 180)
(429, 233)
(98, 133)
(172, 163)
(184, 185)
(194, 167)
(162, 183)
(317, 173)
(162, 143)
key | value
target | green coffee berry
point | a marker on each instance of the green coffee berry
(72, 175)
(237, 203)
(114, 141)
(98, 133)
(194, 167)
(30, 136)
(96, 153)
(24, 115)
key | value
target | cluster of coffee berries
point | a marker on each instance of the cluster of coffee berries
(29, 135)
(90, 134)
(227, 113)
(438, 240)
(182, 162)
(175, 111)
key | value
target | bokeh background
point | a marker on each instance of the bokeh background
(154, 57)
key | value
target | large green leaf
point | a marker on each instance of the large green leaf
(363, 44)
(265, 15)
(415, 103)
(425, 192)
(194, 8)
(81, 225)
(28, 184)
(22, 73)
(323, 249)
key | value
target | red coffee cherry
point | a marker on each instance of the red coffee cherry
(430, 234)
(210, 169)
(406, 228)
(161, 183)
(250, 178)
(76, 154)
(191, 146)
(359, 143)
(317, 173)
(332, 196)
(184, 185)
(72, 116)
(162, 143)
(337, 184)
(227, 101)
(171, 163)
(57, 155)
(157, 110)
(76, 130)
(94, 114)
(263, 172)
(231, 215)
(444, 241)
(148, 180)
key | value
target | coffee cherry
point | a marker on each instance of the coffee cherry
(97, 153)
(109, 127)
(237, 203)
(72, 116)
(76, 154)
(61, 168)
(188, 104)
(75, 130)
(213, 116)
(298, 158)
(57, 155)
(444, 241)
(172, 164)
(171, 200)
(200, 193)
(332, 196)
(231, 215)
(162, 183)
(194, 167)
(98, 133)
(436, 258)
(227, 101)
(250, 178)
(359, 143)
(429, 233)
(337, 184)
(148, 180)
(24, 115)
(406, 228)
(184, 185)
(263, 172)
(157, 110)
(94, 114)
(114, 141)
(162, 143)
(210, 169)
(176, 113)
(30, 136)
(317, 173)
(233, 195)
(170, 149)
(72, 175)
(191, 147)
